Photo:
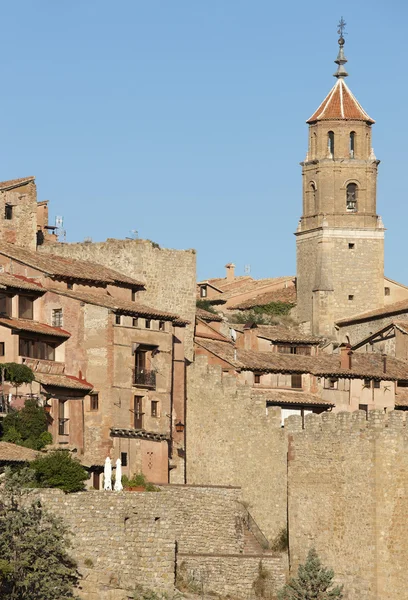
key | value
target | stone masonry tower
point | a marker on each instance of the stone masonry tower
(340, 238)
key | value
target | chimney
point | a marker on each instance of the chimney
(345, 356)
(230, 271)
(384, 358)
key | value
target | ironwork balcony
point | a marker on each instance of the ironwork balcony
(145, 378)
(63, 426)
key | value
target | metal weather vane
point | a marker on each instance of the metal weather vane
(341, 27)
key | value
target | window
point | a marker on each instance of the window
(133, 295)
(123, 459)
(148, 323)
(137, 412)
(296, 380)
(313, 197)
(387, 291)
(2, 349)
(162, 326)
(62, 421)
(330, 143)
(118, 319)
(257, 378)
(363, 407)
(352, 145)
(135, 322)
(351, 197)
(203, 291)
(154, 408)
(8, 212)
(367, 383)
(304, 350)
(352, 246)
(94, 401)
(331, 383)
(70, 286)
(25, 307)
(31, 348)
(57, 317)
(351, 297)
(377, 384)
(5, 305)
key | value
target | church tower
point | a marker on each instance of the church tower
(340, 238)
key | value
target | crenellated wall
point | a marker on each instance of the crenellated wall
(348, 497)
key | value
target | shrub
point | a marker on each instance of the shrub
(59, 470)
(27, 427)
(281, 542)
(205, 305)
(139, 480)
(313, 581)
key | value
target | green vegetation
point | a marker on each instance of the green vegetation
(59, 470)
(312, 582)
(34, 562)
(27, 427)
(206, 305)
(260, 585)
(281, 542)
(139, 480)
(263, 315)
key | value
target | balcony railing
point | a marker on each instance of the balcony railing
(145, 378)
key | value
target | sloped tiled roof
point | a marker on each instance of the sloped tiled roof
(286, 295)
(278, 333)
(340, 103)
(401, 397)
(33, 326)
(20, 283)
(368, 365)
(120, 306)
(138, 433)
(250, 285)
(290, 397)
(13, 453)
(12, 183)
(384, 311)
(206, 315)
(63, 381)
(68, 268)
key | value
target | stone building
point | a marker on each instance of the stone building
(110, 367)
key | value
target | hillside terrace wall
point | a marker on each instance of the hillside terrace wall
(169, 275)
(347, 497)
(233, 439)
(131, 538)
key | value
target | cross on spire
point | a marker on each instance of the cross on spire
(341, 59)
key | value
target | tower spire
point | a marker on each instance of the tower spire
(341, 59)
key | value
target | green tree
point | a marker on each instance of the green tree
(313, 582)
(34, 562)
(27, 427)
(59, 470)
(16, 374)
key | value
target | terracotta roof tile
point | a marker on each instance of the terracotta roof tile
(286, 295)
(290, 397)
(278, 333)
(401, 397)
(67, 268)
(19, 282)
(384, 311)
(206, 315)
(33, 326)
(120, 306)
(251, 285)
(363, 364)
(13, 453)
(138, 433)
(12, 183)
(63, 381)
(340, 103)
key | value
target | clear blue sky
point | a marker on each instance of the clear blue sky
(185, 119)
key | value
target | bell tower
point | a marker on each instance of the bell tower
(340, 238)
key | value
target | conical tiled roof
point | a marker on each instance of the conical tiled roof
(340, 103)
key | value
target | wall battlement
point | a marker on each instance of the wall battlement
(346, 422)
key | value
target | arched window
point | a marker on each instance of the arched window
(352, 148)
(330, 143)
(351, 197)
(313, 198)
(314, 144)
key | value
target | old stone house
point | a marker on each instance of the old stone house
(110, 368)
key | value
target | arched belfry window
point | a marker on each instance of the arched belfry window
(313, 198)
(352, 148)
(351, 197)
(330, 143)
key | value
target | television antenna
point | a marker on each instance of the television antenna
(247, 269)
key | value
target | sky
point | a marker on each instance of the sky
(183, 121)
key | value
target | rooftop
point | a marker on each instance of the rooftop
(290, 397)
(63, 381)
(7, 280)
(34, 327)
(206, 315)
(13, 183)
(340, 103)
(13, 453)
(384, 311)
(286, 295)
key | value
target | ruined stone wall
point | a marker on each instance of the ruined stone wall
(235, 576)
(347, 495)
(128, 538)
(169, 275)
(232, 439)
